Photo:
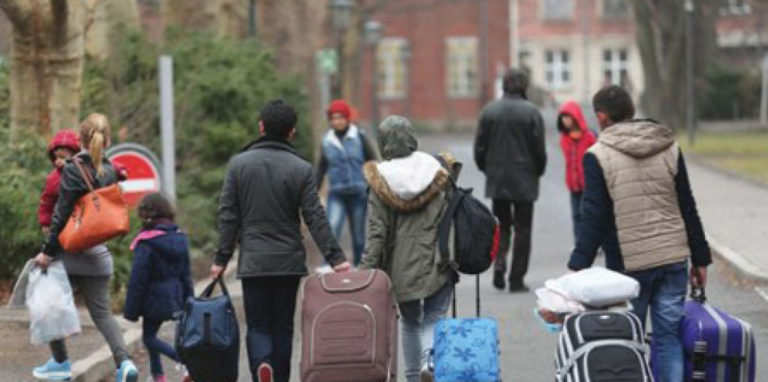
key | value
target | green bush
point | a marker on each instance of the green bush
(5, 96)
(731, 93)
(220, 84)
(22, 176)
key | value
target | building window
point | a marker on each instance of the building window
(615, 9)
(615, 67)
(736, 8)
(462, 62)
(392, 68)
(556, 9)
(557, 68)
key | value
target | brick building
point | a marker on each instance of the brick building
(433, 63)
(742, 32)
(575, 47)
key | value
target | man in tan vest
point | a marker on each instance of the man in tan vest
(639, 207)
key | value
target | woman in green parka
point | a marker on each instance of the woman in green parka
(408, 197)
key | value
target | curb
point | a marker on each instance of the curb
(100, 364)
(738, 263)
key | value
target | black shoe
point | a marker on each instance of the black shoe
(518, 288)
(498, 280)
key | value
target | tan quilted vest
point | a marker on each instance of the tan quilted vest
(650, 226)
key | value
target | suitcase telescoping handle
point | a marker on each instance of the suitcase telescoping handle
(477, 297)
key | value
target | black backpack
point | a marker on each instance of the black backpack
(475, 231)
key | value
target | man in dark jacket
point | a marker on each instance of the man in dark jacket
(267, 190)
(510, 150)
(639, 207)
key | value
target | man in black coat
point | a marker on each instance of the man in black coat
(510, 150)
(267, 190)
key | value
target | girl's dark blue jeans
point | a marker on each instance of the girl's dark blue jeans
(156, 346)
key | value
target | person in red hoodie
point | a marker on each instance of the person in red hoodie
(64, 146)
(575, 139)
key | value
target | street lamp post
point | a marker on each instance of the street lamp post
(406, 52)
(373, 30)
(252, 18)
(341, 15)
(690, 109)
(764, 97)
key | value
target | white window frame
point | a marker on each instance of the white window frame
(616, 65)
(544, 15)
(467, 61)
(736, 8)
(557, 68)
(605, 15)
(390, 53)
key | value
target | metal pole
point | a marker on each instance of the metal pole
(485, 59)
(764, 98)
(514, 10)
(375, 90)
(690, 117)
(339, 76)
(586, 43)
(252, 18)
(166, 127)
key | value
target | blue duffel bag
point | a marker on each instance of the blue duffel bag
(208, 336)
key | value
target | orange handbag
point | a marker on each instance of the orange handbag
(98, 216)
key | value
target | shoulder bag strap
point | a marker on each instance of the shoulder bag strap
(85, 173)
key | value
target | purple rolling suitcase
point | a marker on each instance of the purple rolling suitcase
(718, 347)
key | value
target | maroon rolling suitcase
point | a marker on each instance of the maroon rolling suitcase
(349, 328)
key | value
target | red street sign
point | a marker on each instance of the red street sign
(143, 171)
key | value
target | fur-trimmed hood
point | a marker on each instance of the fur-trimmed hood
(408, 184)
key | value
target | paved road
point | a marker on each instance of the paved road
(527, 349)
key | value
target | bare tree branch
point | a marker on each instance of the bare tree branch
(14, 13)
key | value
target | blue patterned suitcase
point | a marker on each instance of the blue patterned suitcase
(467, 349)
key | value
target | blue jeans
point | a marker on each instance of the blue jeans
(576, 213)
(155, 346)
(270, 304)
(352, 207)
(663, 289)
(419, 319)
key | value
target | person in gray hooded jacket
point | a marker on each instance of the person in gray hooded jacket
(407, 200)
(267, 190)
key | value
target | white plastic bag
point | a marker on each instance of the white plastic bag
(51, 305)
(19, 294)
(599, 287)
(553, 298)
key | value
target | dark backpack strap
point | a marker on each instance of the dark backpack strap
(444, 228)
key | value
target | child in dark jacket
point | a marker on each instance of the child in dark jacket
(160, 278)
(64, 146)
(575, 139)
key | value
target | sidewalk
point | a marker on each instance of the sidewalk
(18, 356)
(734, 212)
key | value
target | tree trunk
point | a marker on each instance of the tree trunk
(107, 21)
(46, 63)
(661, 41)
